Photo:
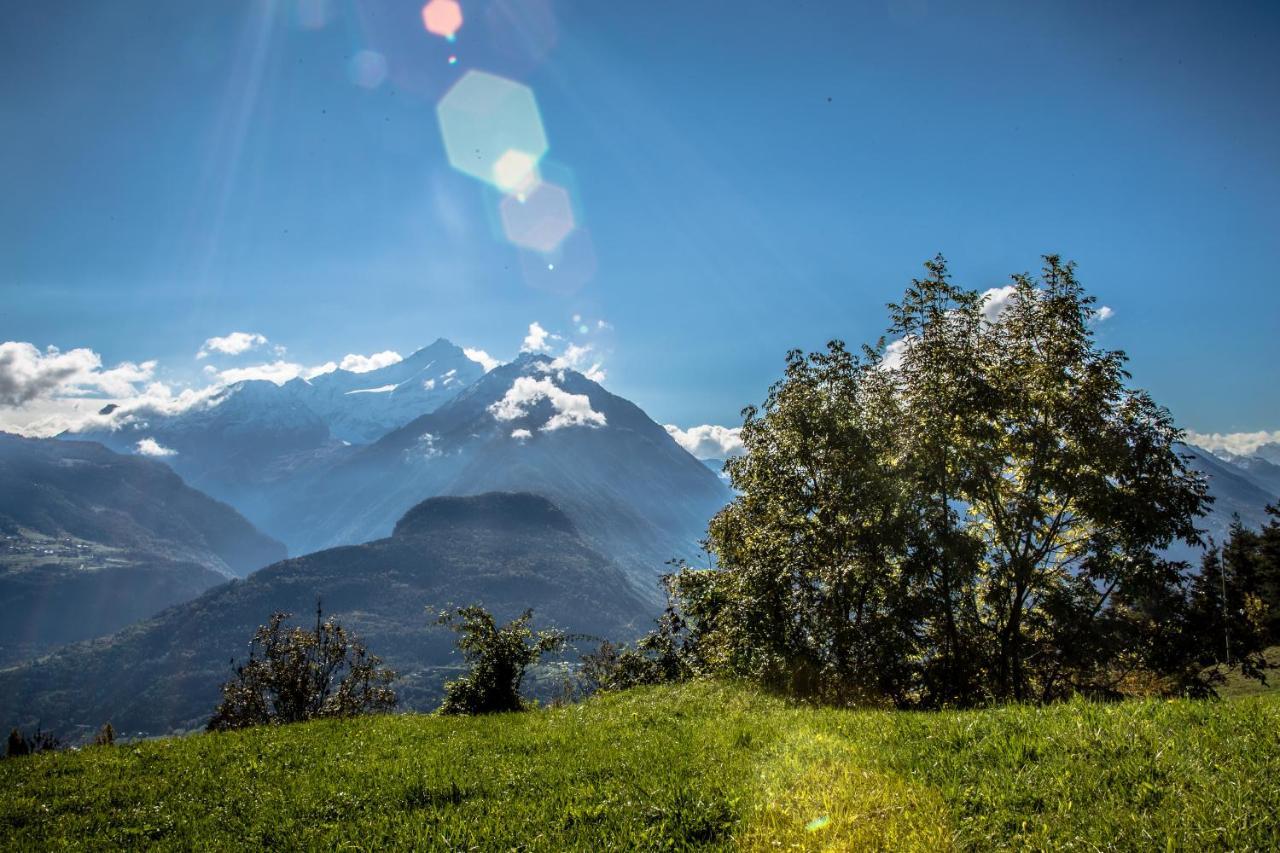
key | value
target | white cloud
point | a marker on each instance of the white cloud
(233, 344)
(426, 447)
(364, 363)
(27, 374)
(603, 325)
(521, 434)
(481, 357)
(709, 441)
(59, 415)
(525, 392)
(1104, 314)
(1237, 443)
(893, 353)
(321, 369)
(995, 300)
(150, 447)
(576, 357)
(537, 339)
(278, 372)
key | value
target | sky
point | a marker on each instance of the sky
(724, 182)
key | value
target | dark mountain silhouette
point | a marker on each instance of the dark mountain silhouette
(91, 541)
(505, 551)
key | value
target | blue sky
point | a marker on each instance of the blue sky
(750, 177)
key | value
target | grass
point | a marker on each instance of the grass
(702, 765)
(1236, 685)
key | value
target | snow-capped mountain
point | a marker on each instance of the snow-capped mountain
(526, 426)
(1264, 472)
(250, 437)
(1238, 492)
(360, 408)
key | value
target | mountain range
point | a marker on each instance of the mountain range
(505, 551)
(253, 436)
(91, 541)
(634, 493)
(447, 427)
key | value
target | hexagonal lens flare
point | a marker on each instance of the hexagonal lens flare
(485, 119)
(516, 172)
(442, 18)
(541, 221)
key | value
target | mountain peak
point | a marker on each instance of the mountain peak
(505, 511)
(435, 349)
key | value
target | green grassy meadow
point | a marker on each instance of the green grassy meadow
(701, 765)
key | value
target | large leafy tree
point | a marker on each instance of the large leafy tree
(977, 511)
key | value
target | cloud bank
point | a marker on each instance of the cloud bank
(27, 374)
(364, 363)
(709, 441)
(1237, 443)
(526, 392)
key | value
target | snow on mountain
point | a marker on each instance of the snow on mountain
(1263, 472)
(1237, 493)
(252, 437)
(362, 407)
(526, 426)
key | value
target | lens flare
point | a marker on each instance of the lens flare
(442, 18)
(367, 69)
(817, 823)
(516, 173)
(565, 271)
(541, 221)
(484, 118)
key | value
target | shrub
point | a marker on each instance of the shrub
(294, 674)
(498, 656)
(41, 741)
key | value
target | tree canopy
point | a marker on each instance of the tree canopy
(976, 511)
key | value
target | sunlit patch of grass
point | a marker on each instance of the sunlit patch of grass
(820, 790)
(701, 766)
(1235, 684)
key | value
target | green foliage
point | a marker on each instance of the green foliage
(303, 675)
(1235, 600)
(662, 656)
(976, 513)
(498, 656)
(698, 765)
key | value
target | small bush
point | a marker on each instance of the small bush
(499, 657)
(20, 744)
(301, 675)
